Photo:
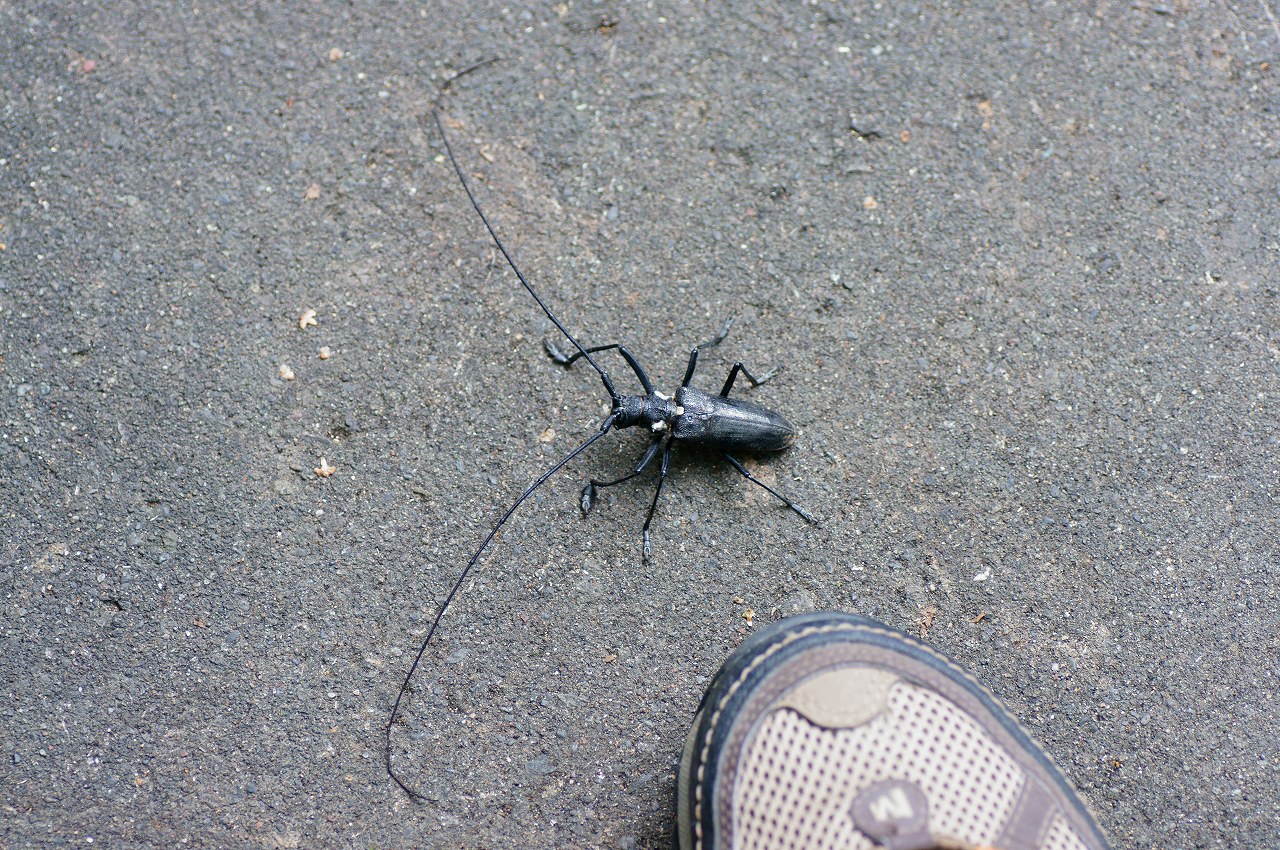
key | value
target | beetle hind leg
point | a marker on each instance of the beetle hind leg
(745, 474)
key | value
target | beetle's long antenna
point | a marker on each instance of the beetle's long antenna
(457, 585)
(435, 114)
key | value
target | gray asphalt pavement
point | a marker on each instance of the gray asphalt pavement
(1019, 262)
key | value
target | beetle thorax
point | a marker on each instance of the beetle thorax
(654, 412)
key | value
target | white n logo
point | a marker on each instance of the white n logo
(893, 806)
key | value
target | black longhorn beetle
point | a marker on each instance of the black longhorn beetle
(691, 417)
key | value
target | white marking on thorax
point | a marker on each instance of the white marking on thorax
(660, 425)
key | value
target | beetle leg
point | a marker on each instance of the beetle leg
(738, 466)
(688, 372)
(724, 332)
(638, 369)
(755, 382)
(589, 491)
(653, 506)
(693, 355)
(558, 356)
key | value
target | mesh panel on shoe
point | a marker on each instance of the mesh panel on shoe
(1062, 837)
(797, 781)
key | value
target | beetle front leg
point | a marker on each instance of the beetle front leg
(559, 357)
(589, 491)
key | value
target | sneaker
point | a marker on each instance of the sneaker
(830, 730)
